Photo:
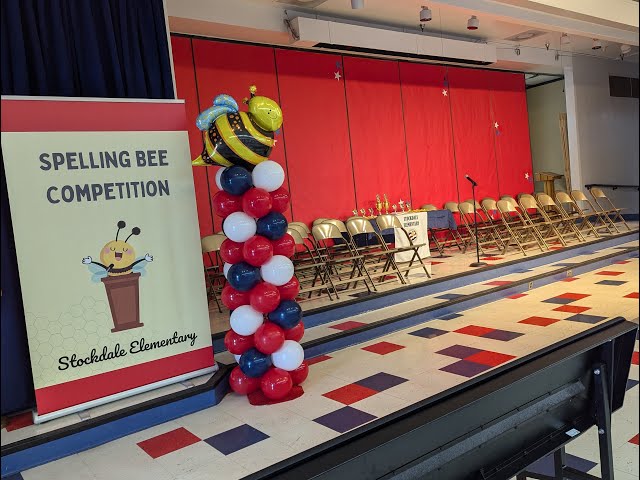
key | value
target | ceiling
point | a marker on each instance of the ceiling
(533, 79)
(451, 21)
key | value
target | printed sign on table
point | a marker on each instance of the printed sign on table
(107, 240)
(415, 223)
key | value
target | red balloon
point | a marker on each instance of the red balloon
(237, 344)
(276, 384)
(290, 290)
(232, 298)
(224, 204)
(280, 200)
(257, 250)
(285, 245)
(256, 202)
(296, 333)
(300, 374)
(264, 297)
(231, 252)
(241, 384)
(268, 338)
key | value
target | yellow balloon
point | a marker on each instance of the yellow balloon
(266, 113)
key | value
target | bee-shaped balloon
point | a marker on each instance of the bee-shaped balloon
(239, 138)
(117, 258)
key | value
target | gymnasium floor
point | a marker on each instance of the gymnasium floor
(353, 386)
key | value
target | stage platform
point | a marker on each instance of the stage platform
(371, 357)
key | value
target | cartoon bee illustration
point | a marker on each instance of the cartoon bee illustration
(232, 137)
(117, 258)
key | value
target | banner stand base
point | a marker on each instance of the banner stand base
(38, 419)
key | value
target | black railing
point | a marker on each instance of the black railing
(612, 187)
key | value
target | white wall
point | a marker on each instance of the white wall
(604, 147)
(545, 103)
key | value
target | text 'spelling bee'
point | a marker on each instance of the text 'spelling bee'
(239, 138)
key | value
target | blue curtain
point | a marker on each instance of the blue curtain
(74, 48)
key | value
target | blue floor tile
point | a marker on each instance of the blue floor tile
(502, 335)
(344, 419)
(631, 383)
(450, 296)
(236, 439)
(450, 316)
(544, 466)
(581, 317)
(381, 381)
(15, 476)
(459, 351)
(465, 368)
(559, 301)
(428, 332)
(613, 283)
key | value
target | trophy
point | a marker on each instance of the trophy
(386, 204)
(401, 203)
(408, 206)
(371, 212)
(395, 207)
(363, 212)
(355, 212)
(378, 204)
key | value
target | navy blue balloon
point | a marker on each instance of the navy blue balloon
(273, 226)
(243, 277)
(236, 180)
(254, 363)
(287, 315)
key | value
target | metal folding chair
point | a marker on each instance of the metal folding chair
(607, 206)
(518, 231)
(566, 225)
(386, 222)
(572, 210)
(488, 234)
(213, 274)
(599, 219)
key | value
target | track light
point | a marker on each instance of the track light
(357, 4)
(625, 49)
(473, 23)
(564, 39)
(425, 14)
(597, 44)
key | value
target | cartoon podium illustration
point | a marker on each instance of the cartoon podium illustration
(120, 272)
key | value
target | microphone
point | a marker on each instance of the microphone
(473, 182)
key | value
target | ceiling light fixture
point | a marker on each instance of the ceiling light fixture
(564, 39)
(357, 4)
(473, 23)
(425, 14)
(625, 49)
(597, 44)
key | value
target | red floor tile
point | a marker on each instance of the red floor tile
(622, 262)
(314, 360)
(350, 394)
(492, 258)
(634, 440)
(573, 296)
(435, 263)
(556, 248)
(539, 321)
(347, 325)
(634, 358)
(632, 295)
(517, 295)
(19, 421)
(383, 348)
(569, 279)
(491, 359)
(609, 273)
(168, 442)
(498, 283)
(474, 330)
(572, 309)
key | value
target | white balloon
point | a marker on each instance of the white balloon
(218, 175)
(245, 320)
(225, 268)
(268, 175)
(289, 356)
(239, 227)
(278, 270)
(237, 357)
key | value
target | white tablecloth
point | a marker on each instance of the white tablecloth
(416, 226)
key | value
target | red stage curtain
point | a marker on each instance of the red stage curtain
(232, 68)
(513, 148)
(473, 132)
(317, 134)
(427, 121)
(377, 130)
(186, 89)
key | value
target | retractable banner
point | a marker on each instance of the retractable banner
(106, 232)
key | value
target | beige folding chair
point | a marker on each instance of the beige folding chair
(490, 208)
(462, 239)
(309, 269)
(606, 205)
(488, 235)
(601, 221)
(343, 269)
(214, 276)
(318, 221)
(391, 222)
(535, 215)
(433, 232)
(572, 210)
(518, 232)
(566, 225)
(378, 257)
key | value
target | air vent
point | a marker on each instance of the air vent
(623, 87)
(524, 36)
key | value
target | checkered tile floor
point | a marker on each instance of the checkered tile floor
(353, 386)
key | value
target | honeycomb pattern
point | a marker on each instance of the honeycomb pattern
(82, 327)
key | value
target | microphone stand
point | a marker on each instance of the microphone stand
(477, 263)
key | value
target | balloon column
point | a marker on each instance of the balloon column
(266, 321)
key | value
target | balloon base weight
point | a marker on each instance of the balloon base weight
(258, 398)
